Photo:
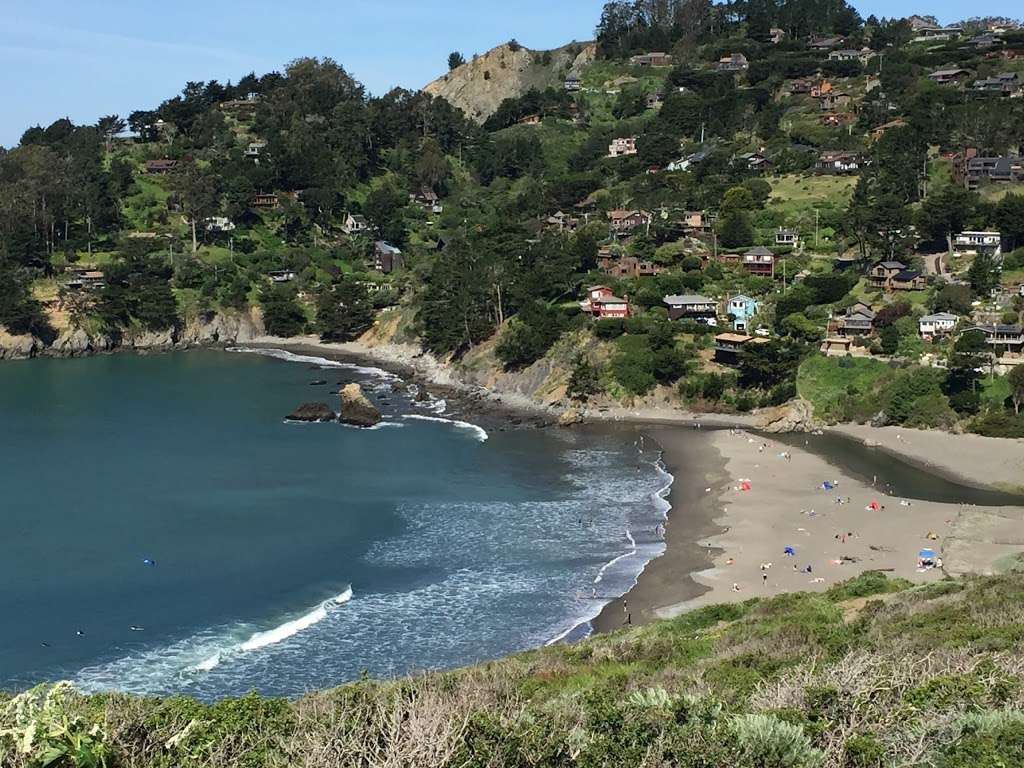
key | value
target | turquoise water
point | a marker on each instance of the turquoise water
(287, 557)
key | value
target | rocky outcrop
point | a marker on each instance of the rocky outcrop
(212, 328)
(313, 412)
(797, 416)
(356, 409)
(570, 417)
(479, 86)
(18, 347)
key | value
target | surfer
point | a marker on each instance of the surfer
(80, 633)
(133, 628)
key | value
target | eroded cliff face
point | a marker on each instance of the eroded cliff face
(205, 330)
(479, 86)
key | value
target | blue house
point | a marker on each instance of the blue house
(742, 308)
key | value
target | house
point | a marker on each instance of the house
(729, 345)
(831, 101)
(386, 257)
(882, 274)
(622, 147)
(573, 84)
(935, 33)
(838, 162)
(973, 243)
(863, 56)
(265, 201)
(654, 59)
(655, 100)
(787, 237)
(83, 279)
(939, 324)
(626, 221)
(776, 35)
(734, 62)
(821, 89)
(825, 43)
(355, 224)
(837, 347)
(282, 275)
(859, 320)
(253, 149)
(754, 161)
(798, 87)
(1004, 168)
(219, 224)
(909, 280)
(729, 258)
(161, 166)
(631, 267)
(948, 76)
(696, 220)
(1002, 339)
(878, 132)
(684, 164)
(836, 119)
(427, 199)
(693, 307)
(759, 261)
(563, 222)
(1003, 84)
(984, 40)
(529, 120)
(742, 309)
(601, 302)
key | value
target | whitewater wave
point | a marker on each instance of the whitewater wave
(276, 635)
(478, 431)
(323, 362)
(619, 559)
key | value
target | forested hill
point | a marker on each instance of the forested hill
(804, 178)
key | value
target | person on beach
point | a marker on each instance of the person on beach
(764, 578)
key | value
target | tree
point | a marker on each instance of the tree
(1009, 219)
(953, 298)
(109, 127)
(455, 60)
(983, 274)
(282, 315)
(735, 229)
(969, 354)
(585, 379)
(344, 312)
(890, 339)
(1016, 380)
(198, 191)
(946, 213)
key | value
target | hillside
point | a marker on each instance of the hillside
(872, 673)
(509, 71)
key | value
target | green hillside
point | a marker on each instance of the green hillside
(871, 673)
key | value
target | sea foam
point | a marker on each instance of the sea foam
(478, 431)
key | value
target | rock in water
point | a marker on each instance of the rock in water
(356, 409)
(313, 412)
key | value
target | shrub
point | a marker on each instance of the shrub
(609, 328)
(767, 741)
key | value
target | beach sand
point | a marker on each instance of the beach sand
(718, 539)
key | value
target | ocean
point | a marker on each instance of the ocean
(166, 531)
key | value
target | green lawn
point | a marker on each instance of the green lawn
(793, 193)
(826, 382)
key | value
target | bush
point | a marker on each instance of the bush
(766, 741)
(609, 328)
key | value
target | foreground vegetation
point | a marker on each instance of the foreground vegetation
(872, 673)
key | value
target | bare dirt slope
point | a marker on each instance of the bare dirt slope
(479, 86)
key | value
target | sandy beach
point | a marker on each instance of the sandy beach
(740, 499)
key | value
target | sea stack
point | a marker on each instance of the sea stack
(356, 409)
(313, 412)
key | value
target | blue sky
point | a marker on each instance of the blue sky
(86, 58)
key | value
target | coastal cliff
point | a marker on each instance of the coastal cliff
(206, 329)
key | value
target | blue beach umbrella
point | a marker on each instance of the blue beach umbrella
(926, 554)
(789, 551)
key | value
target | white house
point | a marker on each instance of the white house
(973, 243)
(354, 224)
(622, 147)
(938, 324)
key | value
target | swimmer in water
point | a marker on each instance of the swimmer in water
(133, 628)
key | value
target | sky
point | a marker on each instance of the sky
(86, 58)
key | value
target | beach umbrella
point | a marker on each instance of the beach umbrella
(789, 551)
(926, 554)
(874, 505)
(827, 486)
(744, 486)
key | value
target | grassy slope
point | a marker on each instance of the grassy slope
(872, 673)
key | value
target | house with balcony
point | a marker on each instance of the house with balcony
(601, 302)
(838, 162)
(694, 307)
(933, 326)
(972, 243)
(789, 238)
(859, 320)
(734, 62)
(355, 224)
(1002, 339)
(621, 220)
(883, 273)
(949, 76)
(653, 59)
(622, 147)
(728, 346)
(386, 257)
(759, 261)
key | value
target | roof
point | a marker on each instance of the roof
(907, 275)
(939, 316)
(608, 300)
(743, 297)
(948, 72)
(689, 299)
(738, 338)
(998, 328)
(891, 264)
(758, 250)
(384, 247)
